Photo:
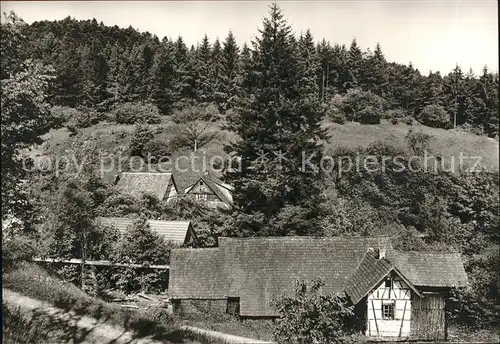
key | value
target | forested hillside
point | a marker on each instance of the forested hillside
(98, 66)
(77, 89)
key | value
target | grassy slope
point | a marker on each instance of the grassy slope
(448, 143)
(115, 139)
(31, 280)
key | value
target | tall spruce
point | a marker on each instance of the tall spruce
(216, 72)
(278, 122)
(204, 86)
(162, 72)
(229, 72)
(354, 64)
(184, 81)
(455, 89)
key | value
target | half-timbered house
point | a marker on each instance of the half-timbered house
(396, 294)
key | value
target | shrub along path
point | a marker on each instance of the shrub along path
(79, 328)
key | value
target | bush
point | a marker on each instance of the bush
(16, 249)
(418, 141)
(141, 137)
(140, 245)
(87, 117)
(434, 116)
(396, 116)
(334, 110)
(477, 305)
(132, 113)
(356, 100)
(156, 150)
(312, 317)
(369, 115)
(81, 117)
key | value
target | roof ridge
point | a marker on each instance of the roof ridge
(146, 172)
(296, 237)
(137, 218)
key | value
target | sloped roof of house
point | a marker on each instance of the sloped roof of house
(138, 183)
(190, 167)
(175, 231)
(430, 269)
(199, 274)
(257, 270)
(222, 194)
(260, 269)
(368, 275)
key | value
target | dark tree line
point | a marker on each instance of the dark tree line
(98, 66)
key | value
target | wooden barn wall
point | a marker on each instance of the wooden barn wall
(400, 294)
(429, 318)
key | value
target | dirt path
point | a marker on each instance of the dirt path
(89, 328)
(84, 329)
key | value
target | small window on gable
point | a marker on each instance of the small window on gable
(388, 283)
(388, 311)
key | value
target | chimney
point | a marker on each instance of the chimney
(381, 253)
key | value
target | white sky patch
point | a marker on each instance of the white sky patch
(433, 35)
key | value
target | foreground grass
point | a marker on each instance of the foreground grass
(21, 328)
(31, 280)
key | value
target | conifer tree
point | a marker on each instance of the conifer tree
(204, 86)
(183, 85)
(354, 63)
(455, 90)
(229, 72)
(162, 72)
(431, 92)
(326, 70)
(374, 73)
(216, 73)
(489, 95)
(278, 121)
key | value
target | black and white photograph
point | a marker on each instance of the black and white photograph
(202, 172)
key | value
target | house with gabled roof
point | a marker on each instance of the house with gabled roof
(178, 232)
(396, 294)
(195, 177)
(161, 185)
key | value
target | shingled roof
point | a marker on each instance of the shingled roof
(199, 274)
(222, 193)
(368, 275)
(430, 269)
(260, 269)
(257, 270)
(176, 231)
(138, 183)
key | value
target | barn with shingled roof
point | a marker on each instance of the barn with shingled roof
(397, 294)
(161, 185)
(177, 232)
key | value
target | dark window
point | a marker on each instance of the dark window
(388, 283)
(388, 311)
(233, 305)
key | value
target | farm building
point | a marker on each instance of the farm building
(397, 294)
(195, 177)
(161, 185)
(213, 192)
(179, 232)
